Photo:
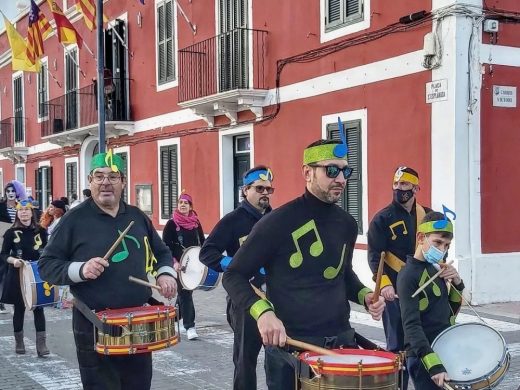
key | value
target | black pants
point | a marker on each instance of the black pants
(420, 377)
(108, 372)
(18, 317)
(394, 333)
(186, 307)
(246, 347)
(281, 367)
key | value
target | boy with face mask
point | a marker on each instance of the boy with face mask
(434, 309)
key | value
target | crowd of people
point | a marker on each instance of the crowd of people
(278, 265)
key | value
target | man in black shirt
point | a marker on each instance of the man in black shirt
(392, 230)
(434, 309)
(228, 235)
(306, 248)
(73, 257)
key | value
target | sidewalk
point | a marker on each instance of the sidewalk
(508, 309)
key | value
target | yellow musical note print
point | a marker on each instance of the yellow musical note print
(241, 240)
(316, 248)
(37, 242)
(331, 272)
(424, 302)
(47, 289)
(396, 224)
(150, 257)
(18, 234)
(109, 161)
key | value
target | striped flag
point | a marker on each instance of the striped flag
(45, 26)
(88, 9)
(64, 28)
(34, 34)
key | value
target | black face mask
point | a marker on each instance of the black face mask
(402, 196)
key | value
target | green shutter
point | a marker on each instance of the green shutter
(165, 42)
(352, 200)
(169, 180)
(340, 13)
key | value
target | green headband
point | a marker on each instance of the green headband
(436, 227)
(110, 160)
(319, 153)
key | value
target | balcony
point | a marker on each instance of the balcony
(73, 116)
(224, 75)
(12, 139)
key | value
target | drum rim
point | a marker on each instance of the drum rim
(505, 353)
(144, 314)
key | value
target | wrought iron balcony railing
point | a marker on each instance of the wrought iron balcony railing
(78, 108)
(226, 62)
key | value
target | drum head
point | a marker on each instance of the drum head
(194, 270)
(156, 295)
(470, 351)
(350, 359)
(28, 284)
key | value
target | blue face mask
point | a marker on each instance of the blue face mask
(433, 255)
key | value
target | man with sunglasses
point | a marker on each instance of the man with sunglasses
(306, 248)
(73, 257)
(228, 235)
(434, 309)
(392, 230)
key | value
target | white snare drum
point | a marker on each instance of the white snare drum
(474, 355)
(194, 274)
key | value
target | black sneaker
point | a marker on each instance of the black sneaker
(3, 310)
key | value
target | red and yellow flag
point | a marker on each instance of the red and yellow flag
(64, 28)
(88, 9)
(35, 34)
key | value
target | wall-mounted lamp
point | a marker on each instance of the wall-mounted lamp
(140, 19)
(29, 78)
(5, 90)
(55, 64)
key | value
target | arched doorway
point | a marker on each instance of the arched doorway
(89, 148)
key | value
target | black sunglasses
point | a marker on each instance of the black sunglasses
(332, 171)
(261, 189)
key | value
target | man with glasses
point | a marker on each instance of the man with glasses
(392, 231)
(228, 235)
(73, 257)
(306, 248)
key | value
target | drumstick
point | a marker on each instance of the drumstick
(297, 343)
(143, 282)
(377, 290)
(118, 241)
(430, 280)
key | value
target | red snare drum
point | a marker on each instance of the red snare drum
(354, 369)
(145, 329)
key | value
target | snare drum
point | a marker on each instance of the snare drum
(194, 274)
(474, 355)
(35, 291)
(145, 329)
(355, 369)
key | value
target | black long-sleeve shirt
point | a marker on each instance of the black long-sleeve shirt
(393, 229)
(85, 232)
(429, 313)
(228, 235)
(306, 248)
(179, 240)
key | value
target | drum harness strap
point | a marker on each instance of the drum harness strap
(111, 330)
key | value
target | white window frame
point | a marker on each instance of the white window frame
(126, 149)
(15, 76)
(174, 83)
(66, 50)
(20, 166)
(69, 160)
(1, 182)
(226, 148)
(44, 203)
(161, 143)
(362, 116)
(44, 62)
(363, 24)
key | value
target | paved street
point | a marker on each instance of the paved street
(202, 364)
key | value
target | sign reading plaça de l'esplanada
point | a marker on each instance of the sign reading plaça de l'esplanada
(504, 96)
(437, 91)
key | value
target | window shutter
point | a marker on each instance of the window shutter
(333, 11)
(169, 180)
(165, 42)
(352, 199)
(49, 182)
(173, 177)
(170, 71)
(124, 157)
(161, 44)
(38, 185)
(18, 110)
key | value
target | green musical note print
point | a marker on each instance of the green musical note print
(331, 272)
(316, 248)
(424, 302)
(123, 255)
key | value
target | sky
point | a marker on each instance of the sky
(8, 7)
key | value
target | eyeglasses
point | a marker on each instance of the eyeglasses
(261, 189)
(99, 178)
(332, 171)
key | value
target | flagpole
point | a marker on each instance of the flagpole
(122, 42)
(75, 62)
(100, 75)
(53, 77)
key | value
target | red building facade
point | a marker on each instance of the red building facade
(197, 100)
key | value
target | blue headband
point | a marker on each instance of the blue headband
(261, 174)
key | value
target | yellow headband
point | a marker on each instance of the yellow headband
(405, 176)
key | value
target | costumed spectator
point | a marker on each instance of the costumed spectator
(50, 218)
(13, 191)
(75, 201)
(73, 257)
(23, 242)
(182, 231)
(392, 230)
(227, 236)
(434, 309)
(306, 248)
